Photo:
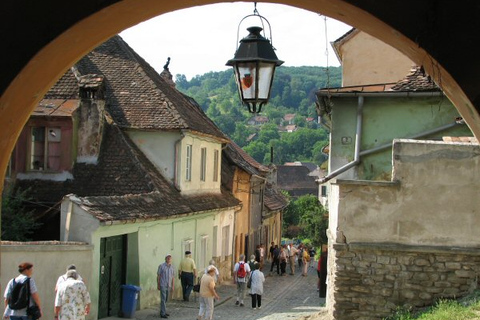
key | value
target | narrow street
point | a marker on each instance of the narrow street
(285, 297)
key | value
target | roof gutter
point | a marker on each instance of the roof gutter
(381, 94)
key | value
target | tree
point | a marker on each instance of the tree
(306, 217)
(313, 220)
(257, 150)
(17, 222)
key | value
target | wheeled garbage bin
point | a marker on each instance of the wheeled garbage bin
(129, 300)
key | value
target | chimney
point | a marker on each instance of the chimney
(91, 115)
(166, 75)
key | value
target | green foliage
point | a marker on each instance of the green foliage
(17, 223)
(307, 218)
(293, 91)
(462, 309)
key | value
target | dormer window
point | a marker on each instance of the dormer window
(45, 149)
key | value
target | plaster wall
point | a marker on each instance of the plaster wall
(195, 185)
(384, 119)
(147, 244)
(159, 148)
(434, 199)
(50, 260)
(241, 191)
(367, 60)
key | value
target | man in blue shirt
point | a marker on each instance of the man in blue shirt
(165, 282)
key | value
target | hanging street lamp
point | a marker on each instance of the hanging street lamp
(254, 65)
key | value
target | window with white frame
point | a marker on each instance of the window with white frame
(225, 242)
(216, 156)
(44, 149)
(188, 163)
(202, 260)
(187, 245)
(203, 164)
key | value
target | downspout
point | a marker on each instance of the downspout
(177, 166)
(358, 139)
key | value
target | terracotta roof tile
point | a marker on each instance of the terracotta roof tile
(273, 199)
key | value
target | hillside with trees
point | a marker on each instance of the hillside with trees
(293, 92)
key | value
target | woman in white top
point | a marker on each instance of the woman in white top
(256, 289)
(26, 271)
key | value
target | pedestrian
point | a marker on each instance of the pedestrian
(292, 254)
(13, 311)
(207, 295)
(262, 255)
(312, 252)
(305, 261)
(63, 277)
(252, 262)
(283, 260)
(165, 283)
(257, 253)
(241, 271)
(72, 301)
(300, 255)
(270, 251)
(211, 263)
(256, 289)
(275, 259)
(187, 272)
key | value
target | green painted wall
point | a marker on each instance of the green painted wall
(385, 119)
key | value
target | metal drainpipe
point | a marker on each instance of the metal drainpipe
(358, 139)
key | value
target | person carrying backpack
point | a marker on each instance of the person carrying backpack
(21, 293)
(241, 271)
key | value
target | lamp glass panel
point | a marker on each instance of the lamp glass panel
(247, 76)
(265, 78)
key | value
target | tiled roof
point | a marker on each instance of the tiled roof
(136, 95)
(56, 107)
(273, 199)
(243, 160)
(295, 177)
(122, 176)
(415, 81)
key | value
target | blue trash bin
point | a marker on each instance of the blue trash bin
(129, 300)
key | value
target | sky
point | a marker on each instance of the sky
(202, 39)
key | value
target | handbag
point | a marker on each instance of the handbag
(249, 283)
(196, 288)
(33, 312)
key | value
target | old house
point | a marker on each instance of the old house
(297, 179)
(403, 199)
(136, 166)
(259, 219)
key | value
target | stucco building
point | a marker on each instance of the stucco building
(136, 166)
(403, 193)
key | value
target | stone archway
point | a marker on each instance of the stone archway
(101, 22)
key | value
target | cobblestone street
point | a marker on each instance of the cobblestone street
(285, 297)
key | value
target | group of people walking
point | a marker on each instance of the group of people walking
(247, 276)
(22, 301)
(280, 255)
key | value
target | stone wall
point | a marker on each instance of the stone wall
(369, 281)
